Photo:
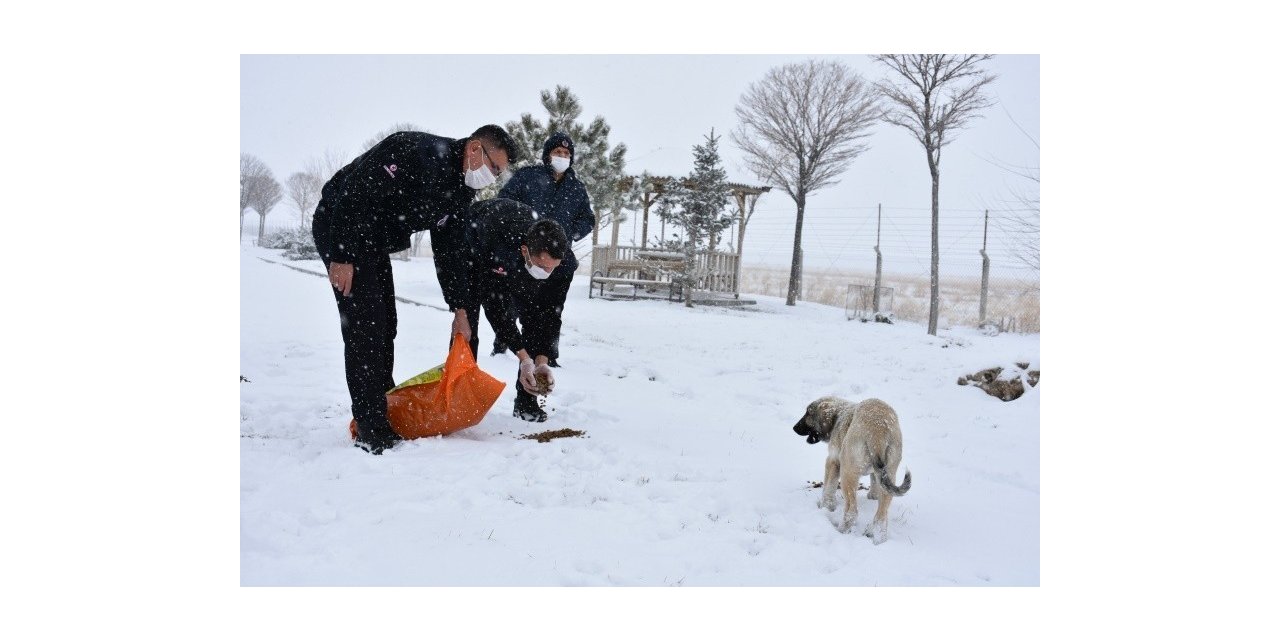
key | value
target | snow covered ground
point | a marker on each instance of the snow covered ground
(689, 473)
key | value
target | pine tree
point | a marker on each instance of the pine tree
(696, 205)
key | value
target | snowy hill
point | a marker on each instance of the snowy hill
(688, 474)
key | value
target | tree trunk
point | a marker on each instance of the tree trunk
(613, 238)
(690, 264)
(644, 233)
(242, 223)
(793, 284)
(262, 228)
(934, 289)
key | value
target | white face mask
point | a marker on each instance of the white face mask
(537, 272)
(480, 178)
(559, 164)
(534, 270)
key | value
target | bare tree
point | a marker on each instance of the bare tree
(304, 190)
(251, 169)
(933, 96)
(1022, 225)
(800, 127)
(265, 194)
(1021, 222)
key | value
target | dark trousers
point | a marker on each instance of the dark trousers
(368, 319)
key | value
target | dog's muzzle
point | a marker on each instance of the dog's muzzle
(804, 430)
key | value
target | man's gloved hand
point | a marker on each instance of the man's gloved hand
(526, 376)
(544, 370)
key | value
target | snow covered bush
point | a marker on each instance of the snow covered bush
(297, 244)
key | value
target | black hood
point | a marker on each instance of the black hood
(558, 139)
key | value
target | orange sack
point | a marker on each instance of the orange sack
(453, 399)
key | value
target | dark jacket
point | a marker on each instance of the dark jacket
(498, 276)
(409, 182)
(565, 202)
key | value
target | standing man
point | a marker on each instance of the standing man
(409, 182)
(554, 191)
(516, 251)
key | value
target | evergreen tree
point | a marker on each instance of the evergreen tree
(696, 205)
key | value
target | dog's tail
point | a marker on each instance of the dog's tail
(887, 482)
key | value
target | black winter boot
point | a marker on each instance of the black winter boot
(527, 409)
(377, 441)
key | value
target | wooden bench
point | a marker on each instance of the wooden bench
(635, 283)
(623, 266)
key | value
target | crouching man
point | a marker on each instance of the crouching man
(514, 253)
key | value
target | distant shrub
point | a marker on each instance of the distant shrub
(296, 243)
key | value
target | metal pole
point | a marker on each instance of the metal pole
(986, 271)
(875, 296)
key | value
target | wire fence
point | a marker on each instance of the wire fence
(844, 245)
(1012, 304)
(988, 261)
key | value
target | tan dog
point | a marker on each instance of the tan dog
(863, 438)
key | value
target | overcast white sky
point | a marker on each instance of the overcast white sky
(293, 108)
(120, 106)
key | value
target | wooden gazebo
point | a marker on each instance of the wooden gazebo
(642, 267)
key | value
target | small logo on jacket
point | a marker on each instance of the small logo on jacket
(391, 170)
(500, 271)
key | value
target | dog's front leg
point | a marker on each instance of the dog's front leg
(829, 480)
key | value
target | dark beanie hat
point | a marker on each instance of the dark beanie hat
(557, 139)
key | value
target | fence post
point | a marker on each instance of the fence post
(986, 272)
(875, 296)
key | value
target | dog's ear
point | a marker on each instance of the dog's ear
(825, 413)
